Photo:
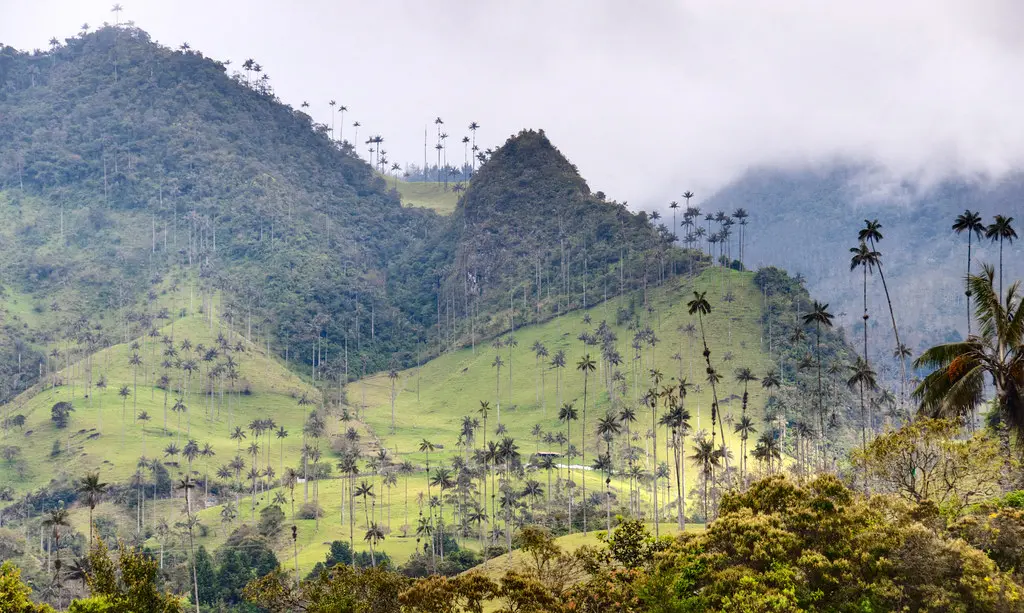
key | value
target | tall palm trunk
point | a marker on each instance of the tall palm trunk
(968, 291)
(863, 414)
(583, 452)
(821, 399)
(654, 469)
(892, 316)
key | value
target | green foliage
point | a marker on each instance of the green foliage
(271, 520)
(96, 604)
(631, 544)
(246, 555)
(1014, 499)
(128, 584)
(925, 461)
(60, 414)
(206, 577)
(539, 544)
(14, 594)
(780, 546)
(342, 590)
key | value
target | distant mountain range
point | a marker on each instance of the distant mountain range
(806, 221)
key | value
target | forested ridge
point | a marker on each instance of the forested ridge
(158, 162)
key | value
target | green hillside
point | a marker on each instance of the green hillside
(427, 195)
(104, 434)
(430, 403)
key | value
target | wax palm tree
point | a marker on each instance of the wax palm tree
(705, 457)
(862, 377)
(770, 381)
(745, 376)
(497, 364)
(56, 519)
(135, 361)
(867, 260)
(1001, 229)
(483, 411)
(608, 427)
(426, 447)
(91, 488)
(442, 480)
(603, 463)
(970, 222)
(558, 363)
(956, 385)
(568, 414)
(586, 365)
(744, 427)
(191, 452)
(186, 484)
(675, 235)
(473, 127)
(700, 307)
(206, 453)
(365, 491)
(872, 234)
(393, 377)
(374, 535)
(281, 433)
(124, 392)
(819, 316)
(768, 449)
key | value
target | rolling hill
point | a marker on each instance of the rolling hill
(430, 402)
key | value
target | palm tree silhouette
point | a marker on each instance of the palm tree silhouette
(91, 488)
(700, 307)
(768, 449)
(374, 535)
(872, 233)
(586, 365)
(332, 104)
(819, 316)
(862, 376)
(473, 127)
(867, 260)
(999, 230)
(705, 457)
(608, 428)
(956, 385)
(135, 361)
(969, 222)
(744, 427)
(568, 414)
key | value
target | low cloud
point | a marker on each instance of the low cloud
(648, 98)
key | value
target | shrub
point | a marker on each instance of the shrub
(60, 413)
(310, 510)
(271, 520)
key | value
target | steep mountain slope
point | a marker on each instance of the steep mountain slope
(157, 161)
(528, 240)
(806, 221)
(162, 160)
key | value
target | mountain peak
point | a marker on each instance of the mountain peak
(527, 175)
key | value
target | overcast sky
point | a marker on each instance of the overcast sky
(648, 98)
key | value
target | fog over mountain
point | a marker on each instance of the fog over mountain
(647, 99)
